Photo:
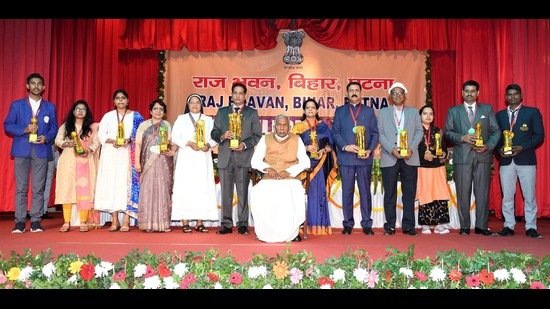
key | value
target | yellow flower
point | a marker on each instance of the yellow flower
(281, 270)
(75, 267)
(13, 273)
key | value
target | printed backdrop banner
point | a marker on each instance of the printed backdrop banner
(281, 79)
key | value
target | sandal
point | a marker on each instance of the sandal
(125, 229)
(84, 228)
(65, 227)
(114, 228)
(201, 228)
(187, 229)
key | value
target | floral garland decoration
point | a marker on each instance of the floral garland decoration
(428, 78)
(160, 76)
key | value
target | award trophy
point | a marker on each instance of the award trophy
(403, 148)
(437, 142)
(120, 134)
(479, 141)
(199, 133)
(163, 146)
(360, 141)
(313, 138)
(78, 149)
(508, 135)
(235, 126)
(33, 135)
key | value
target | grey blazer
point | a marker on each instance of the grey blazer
(387, 128)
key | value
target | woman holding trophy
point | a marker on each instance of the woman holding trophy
(117, 187)
(194, 196)
(154, 161)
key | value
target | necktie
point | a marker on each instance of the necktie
(237, 109)
(471, 111)
(512, 116)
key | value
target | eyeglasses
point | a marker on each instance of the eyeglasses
(470, 91)
(396, 94)
(78, 109)
(158, 109)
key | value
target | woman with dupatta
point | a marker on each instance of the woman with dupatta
(317, 138)
(154, 160)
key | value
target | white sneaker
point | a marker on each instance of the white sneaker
(441, 230)
(426, 229)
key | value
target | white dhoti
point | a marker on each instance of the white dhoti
(278, 209)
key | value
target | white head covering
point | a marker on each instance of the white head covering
(397, 84)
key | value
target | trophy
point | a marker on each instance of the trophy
(479, 141)
(313, 138)
(508, 135)
(437, 142)
(33, 136)
(403, 148)
(120, 134)
(199, 133)
(163, 146)
(360, 141)
(235, 126)
(78, 149)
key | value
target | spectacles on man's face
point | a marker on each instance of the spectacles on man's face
(396, 94)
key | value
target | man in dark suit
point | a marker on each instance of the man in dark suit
(31, 115)
(234, 160)
(346, 118)
(519, 162)
(398, 162)
(472, 162)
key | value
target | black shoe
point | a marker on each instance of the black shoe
(346, 230)
(19, 228)
(506, 231)
(297, 239)
(36, 227)
(389, 231)
(411, 232)
(484, 232)
(243, 230)
(464, 231)
(225, 230)
(533, 233)
(47, 216)
(368, 231)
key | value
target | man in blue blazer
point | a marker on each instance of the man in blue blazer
(346, 118)
(31, 156)
(520, 162)
(471, 162)
(234, 163)
(396, 164)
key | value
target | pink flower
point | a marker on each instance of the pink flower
(236, 278)
(3, 277)
(537, 285)
(420, 275)
(372, 279)
(188, 280)
(120, 276)
(472, 281)
(149, 271)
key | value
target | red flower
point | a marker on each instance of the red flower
(87, 271)
(421, 276)
(325, 280)
(164, 271)
(236, 278)
(486, 277)
(149, 272)
(537, 285)
(187, 280)
(120, 276)
(472, 281)
(213, 277)
(387, 274)
(455, 275)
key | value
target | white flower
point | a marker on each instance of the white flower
(100, 271)
(360, 274)
(267, 287)
(518, 275)
(107, 265)
(437, 274)
(411, 287)
(25, 273)
(140, 270)
(338, 275)
(72, 279)
(48, 270)
(218, 286)
(325, 286)
(181, 269)
(406, 271)
(256, 271)
(501, 274)
(152, 282)
(114, 286)
(169, 283)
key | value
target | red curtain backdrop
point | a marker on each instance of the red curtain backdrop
(91, 58)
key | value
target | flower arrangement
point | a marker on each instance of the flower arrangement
(211, 270)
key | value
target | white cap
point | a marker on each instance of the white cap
(397, 84)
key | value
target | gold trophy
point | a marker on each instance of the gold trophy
(313, 138)
(78, 149)
(33, 136)
(120, 134)
(199, 133)
(163, 146)
(437, 142)
(360, 141)
(479, 141)
(403, 148)
(508, 135)
(235, 126)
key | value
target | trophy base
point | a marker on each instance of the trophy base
(234, 144)
(163, 148)
(403, 152)
(313, 155)
(200, 145)
(120, 141)
(33, 137)
(508, 152)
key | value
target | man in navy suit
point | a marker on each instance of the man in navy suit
(346, 118)
(471, 162)
(520, 162)
(31, 156)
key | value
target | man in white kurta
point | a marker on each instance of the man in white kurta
(278, 200)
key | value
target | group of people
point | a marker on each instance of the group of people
(139, 168)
